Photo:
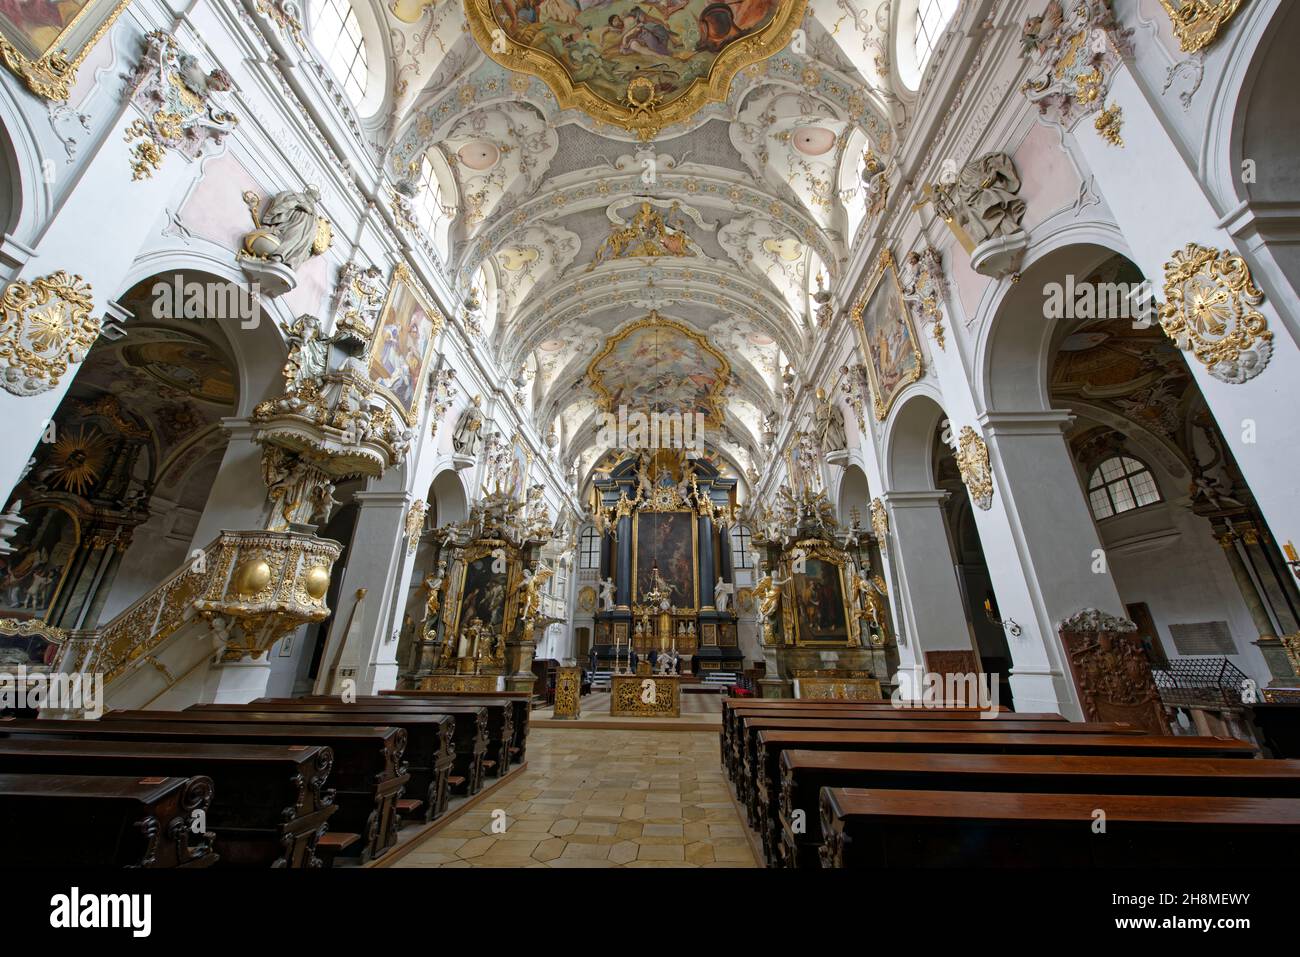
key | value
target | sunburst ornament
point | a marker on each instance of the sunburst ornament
(77, 461)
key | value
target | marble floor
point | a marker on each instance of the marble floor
(600, 798)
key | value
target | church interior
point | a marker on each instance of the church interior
(612, 434)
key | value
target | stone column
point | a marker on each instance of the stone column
(623, 578)
(930, 599)
(1045, 559)
(377, 562)
(704, 530)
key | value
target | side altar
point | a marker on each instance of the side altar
(665, 564)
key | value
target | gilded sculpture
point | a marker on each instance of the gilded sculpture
(46, 324)
(973, 462)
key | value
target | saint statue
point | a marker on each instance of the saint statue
(607, 595)
(433, 584)
(307, 355)
(830, 424)
(293, 219)
(722, 593)
(987, 197)
(468, 432)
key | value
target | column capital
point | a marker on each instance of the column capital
(1036, 422)
(924, 499)
(390, 499)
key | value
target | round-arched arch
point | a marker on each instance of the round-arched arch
(909, 441)
(1014, 356)
(447, 495)
(855, 492)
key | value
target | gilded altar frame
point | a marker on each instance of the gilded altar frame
(642, 114)
(482, 548)
(51, 72)
(824, 552)
(886, 268)
(402, 279)
(695, 549)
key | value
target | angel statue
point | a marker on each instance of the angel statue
(433, 585)
(830, 424)
(308, 354)
(469, 431)
(530, 588)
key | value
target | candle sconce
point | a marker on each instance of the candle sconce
(1014, 630)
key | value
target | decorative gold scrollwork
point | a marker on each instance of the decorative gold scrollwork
(879, 520)
(1210, 311)
(46, 325)
(973, 462)
(1197, 23)
(1110, 123)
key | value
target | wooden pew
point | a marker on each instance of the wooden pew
(883, 829)
(522, 702)
(732, 711)
(73, 820)
(269, 807)
(805, 773)
(500, 721)
(750, 727)
(368, 774)
(770, 744)
(732, 742)
(430, 743)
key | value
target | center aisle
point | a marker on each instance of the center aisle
(601, 798)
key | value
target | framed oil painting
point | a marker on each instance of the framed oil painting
(821, 612)
(482, 595)
(33, 573)
(889, 338)
(45, 41)
(403, 343)
(667, 538)
(520, 461)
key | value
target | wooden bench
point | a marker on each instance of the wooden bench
(368, 774)
(734, 710)
(770, 744)
(501, 720)
(430, 745)
(472, 723)
(522, 702)
(883, 829)
(805, 773)
(750, 728)
(733, 749)
(270, 804)
(104, 821)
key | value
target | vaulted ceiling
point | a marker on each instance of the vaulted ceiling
(573, 228)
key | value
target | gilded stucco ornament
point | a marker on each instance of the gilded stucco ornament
(973, 463)
(1110, 124)
(1197, 23)
(1210, 311)
(879, 519)
(1075, 48)
(179, 103)
(924, 290)
(414, 525)
(46, 324)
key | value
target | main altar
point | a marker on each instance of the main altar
(665, 565)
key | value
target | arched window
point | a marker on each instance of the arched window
(336, 32)
(428, 202)
(932, 17)
(589, 550)
(1120, 484)
(742, 548)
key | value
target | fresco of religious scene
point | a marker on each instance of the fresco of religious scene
(36, 24)
(483, 596)
(668, 539)
(891, 342)
(607, 43)
(30, 576)
(660, 368)
(401, 346)
(820, 602)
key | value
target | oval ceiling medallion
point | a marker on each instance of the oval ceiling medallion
(552, 345)
(812, 140)
(479, 154)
